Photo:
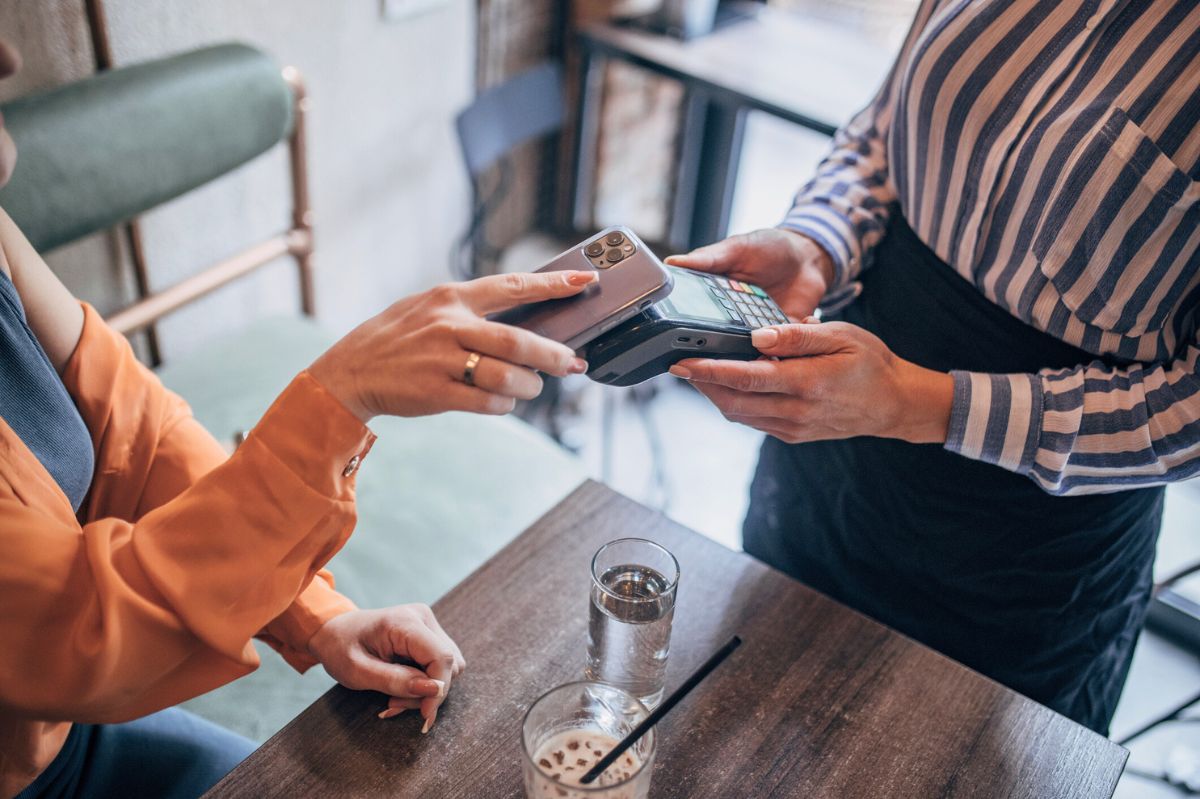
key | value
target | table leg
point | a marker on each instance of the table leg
(715, 167)
(587, 134)
(688, 160)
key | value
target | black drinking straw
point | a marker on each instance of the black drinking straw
(671, 701)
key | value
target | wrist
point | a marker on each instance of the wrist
(316, 641)
(811, 255)
(329, 371)
(926, 397)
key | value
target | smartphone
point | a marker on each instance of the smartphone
(705, 316)
(631, 280)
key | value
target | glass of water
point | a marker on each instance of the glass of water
(570, 728)
(629, 622)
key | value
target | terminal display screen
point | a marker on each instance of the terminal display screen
(693, 297)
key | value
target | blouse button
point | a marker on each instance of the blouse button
(351, 466)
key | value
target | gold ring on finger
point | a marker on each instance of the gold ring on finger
(469, 369)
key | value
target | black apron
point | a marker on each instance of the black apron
(1044, 594)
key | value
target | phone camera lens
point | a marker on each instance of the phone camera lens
(614, 255)
(614, 239)
(595, 249)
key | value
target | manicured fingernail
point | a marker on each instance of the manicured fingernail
(581, 278)
(681, 371)
(424, 686)
(764, 337)
(578, 366)
(429, 722)
(390, 712)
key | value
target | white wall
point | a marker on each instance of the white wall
(388, 188)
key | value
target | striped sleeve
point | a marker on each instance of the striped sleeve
(845, 206)
(1086, 430)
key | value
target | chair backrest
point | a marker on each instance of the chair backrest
(524, 107)
(98, 152)
(527, 106)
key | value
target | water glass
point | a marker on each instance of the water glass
(629, 621)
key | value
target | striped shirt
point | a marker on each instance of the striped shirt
(1048, 150)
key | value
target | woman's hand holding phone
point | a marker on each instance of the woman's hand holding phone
(411, 359)
(789, 266)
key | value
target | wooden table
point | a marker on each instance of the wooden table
(790, 64)
(818, 702)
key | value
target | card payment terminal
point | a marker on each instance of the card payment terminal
(705, 316)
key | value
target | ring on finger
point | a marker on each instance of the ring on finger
(468, 376)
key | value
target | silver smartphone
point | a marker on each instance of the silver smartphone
(631, 280)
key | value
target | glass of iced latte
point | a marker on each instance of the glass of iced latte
(566, 732)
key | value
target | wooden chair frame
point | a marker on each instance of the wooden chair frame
(296, 241)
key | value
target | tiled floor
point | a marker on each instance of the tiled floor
(707, 464)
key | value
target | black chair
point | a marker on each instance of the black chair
(525, 107)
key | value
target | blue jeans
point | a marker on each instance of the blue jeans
(171, 754)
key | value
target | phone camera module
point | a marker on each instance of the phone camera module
(610, 250)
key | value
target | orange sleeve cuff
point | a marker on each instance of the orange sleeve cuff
(312, 432)
(290, 633)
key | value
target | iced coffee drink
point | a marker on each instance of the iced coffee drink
(567, 756)
(570, 729)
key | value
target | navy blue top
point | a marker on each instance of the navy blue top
(35, 403)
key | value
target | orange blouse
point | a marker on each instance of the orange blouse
(178, 557)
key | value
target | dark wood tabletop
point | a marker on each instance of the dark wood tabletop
(819, 701)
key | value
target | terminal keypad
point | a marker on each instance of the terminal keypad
(746, 302)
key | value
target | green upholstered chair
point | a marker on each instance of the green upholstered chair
(438, 495)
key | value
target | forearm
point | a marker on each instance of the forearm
(183, 555)
(264, 522)
(926, 399)
(54, 316)
(811, 253)
(1091, 429)
(290, 633)
(121, 618)
(845, 208)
